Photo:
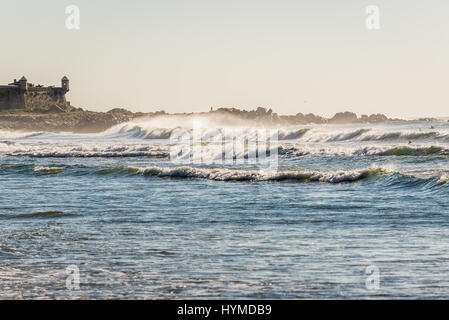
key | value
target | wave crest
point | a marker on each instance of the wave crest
(337, 176)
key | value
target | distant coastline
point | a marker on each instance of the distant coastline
(83, 121)
(28, 107)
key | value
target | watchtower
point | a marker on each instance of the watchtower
(23, 83)
(65, 84)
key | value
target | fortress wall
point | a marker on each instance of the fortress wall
(44, 98)
(10, 98)
(38, 89)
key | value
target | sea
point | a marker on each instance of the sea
(355, 211)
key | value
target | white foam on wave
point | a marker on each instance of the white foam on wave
(221, 174)
(444, 178)
(48, 169)
(332, 176)
(150, 137)
(4, 134)
(293, 150)
(59, 149)
(210, 150)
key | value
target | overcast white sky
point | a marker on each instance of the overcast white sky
(181, 56)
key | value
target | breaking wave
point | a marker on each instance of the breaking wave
(292, 134)
(49, 170)
(408, 151)
(286, 150)
(292, 151)
(330, 176)
(348, 136)
(312, 134)
(338, 176)
(215, 174)
(58, 154)
(84, 150)
(404, 136)
(139, 132)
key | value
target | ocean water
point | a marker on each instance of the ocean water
(344, 201)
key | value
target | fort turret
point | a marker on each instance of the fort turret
(23, 84)
(65, 84)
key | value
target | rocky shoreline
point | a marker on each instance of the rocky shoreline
(81, 121)
(269, 117)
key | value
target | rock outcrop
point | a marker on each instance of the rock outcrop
(75, 121)
(344, 117)
(262, 115)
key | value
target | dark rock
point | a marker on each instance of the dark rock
(344, 117)
(119, 110)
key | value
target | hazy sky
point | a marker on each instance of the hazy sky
(289, 55)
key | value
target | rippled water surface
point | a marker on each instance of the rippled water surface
(139, 226)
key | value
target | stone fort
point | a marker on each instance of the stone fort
(24, 95)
